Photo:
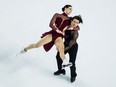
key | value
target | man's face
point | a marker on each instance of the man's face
(74, 22)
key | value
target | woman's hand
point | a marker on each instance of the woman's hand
(60, 32)
(65, 28)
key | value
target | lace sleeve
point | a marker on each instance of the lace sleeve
(52, 22)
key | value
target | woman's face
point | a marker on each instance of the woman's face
(68, 10)
(74, 23)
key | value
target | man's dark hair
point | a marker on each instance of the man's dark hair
(66, 6)
(78, 18)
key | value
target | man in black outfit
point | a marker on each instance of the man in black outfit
(71, 47)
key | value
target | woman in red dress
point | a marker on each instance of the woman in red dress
(58, 23)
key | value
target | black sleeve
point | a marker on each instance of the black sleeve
(75, 35)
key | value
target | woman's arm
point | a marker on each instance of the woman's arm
(53, 25)
(52, 22)
(65, 28)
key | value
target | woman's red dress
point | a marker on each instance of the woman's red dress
(59, 21)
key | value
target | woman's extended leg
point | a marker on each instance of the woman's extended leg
(46, 39)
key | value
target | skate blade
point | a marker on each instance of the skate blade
(68, 65)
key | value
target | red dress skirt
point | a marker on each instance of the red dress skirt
(55, 35)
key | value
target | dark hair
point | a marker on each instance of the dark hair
(78, 18)
(66, 6)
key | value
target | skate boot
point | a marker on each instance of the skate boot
(59, 72)
(22, 52)
(66, 63)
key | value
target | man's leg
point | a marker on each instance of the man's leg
(59, 65)
(72, 55)
(59, 61)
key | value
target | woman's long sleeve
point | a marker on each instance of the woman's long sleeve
(52, 22)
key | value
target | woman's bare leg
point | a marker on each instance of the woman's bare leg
(46, 39)
(60, 46)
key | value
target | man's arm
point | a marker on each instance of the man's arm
(75, 35)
